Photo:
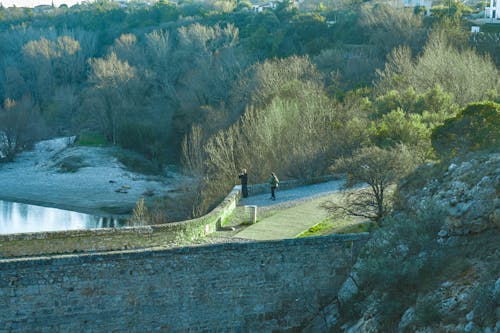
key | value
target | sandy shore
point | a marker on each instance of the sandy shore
(101, 186)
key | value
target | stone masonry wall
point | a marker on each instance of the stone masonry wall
(239, 287)
(110, 239)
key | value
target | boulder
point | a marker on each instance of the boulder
(496, 290)
(442, 233)
(348, 290)
(470, 327)
(325, 321)
(406, 319)
(470, 316)
(364, 325)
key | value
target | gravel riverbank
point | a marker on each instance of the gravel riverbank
(99, 184)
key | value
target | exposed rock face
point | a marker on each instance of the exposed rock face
(496, 291)
(325, 321)
(466, 241)
(469, 192)
(348, 289)
(364, 325)
(407, 319)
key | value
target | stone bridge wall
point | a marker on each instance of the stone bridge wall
(113, 239)
(273, 286)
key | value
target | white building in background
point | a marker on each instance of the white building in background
(419, 3)
(262, 6)
(412, 4)
(493, 10)
(43, 9)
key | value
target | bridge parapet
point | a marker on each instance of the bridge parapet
(113, 239)
(116, 239)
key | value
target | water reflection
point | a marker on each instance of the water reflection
(17, 218)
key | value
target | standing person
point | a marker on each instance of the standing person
(243, 176)
(273, 181)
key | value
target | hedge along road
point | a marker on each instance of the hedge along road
(290, 222)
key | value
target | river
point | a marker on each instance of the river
(20, 218)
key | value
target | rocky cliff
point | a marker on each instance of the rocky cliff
(434, 266)
(467, 190)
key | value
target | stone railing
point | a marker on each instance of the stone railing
(108, 239)
(111, 239)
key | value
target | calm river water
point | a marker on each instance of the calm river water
(17, 217)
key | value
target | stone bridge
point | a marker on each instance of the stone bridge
(125, 280)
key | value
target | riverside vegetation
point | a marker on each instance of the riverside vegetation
(216, 86)
(403, 102)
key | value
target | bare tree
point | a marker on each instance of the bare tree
(388, 27)
(111, 94)
(20, 125)
(265, 81)
(208, 65)
(377, 168)
(192, 151)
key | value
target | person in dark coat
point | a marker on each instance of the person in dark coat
(273, 181)
(243, 176)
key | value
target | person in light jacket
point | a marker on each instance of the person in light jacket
(273, 181)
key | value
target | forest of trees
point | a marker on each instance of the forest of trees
(216, 87)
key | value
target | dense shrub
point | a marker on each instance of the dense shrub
(477, 127)
(485, 303)
(91, 139)
(71, 164)
(465, 75)
(401, 260)
(145, 139)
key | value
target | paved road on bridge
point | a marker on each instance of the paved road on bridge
(290, 222)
